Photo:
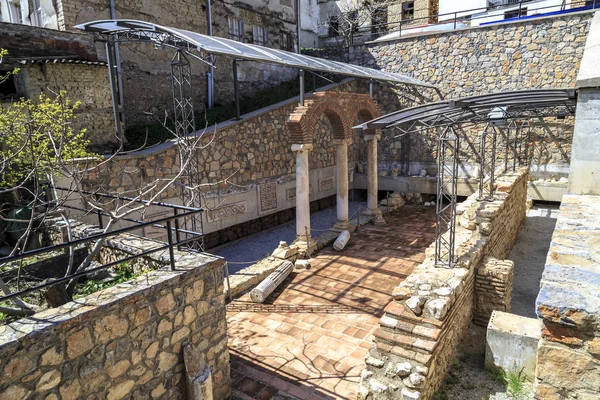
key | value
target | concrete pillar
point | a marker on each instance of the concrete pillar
(372, 208)
(341, 167)
(584, 176)
(303, 196)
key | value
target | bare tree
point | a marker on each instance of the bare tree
(345, 18)
(39, 147)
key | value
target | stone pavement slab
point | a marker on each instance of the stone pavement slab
(310, 338)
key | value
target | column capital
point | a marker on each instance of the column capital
(373, 136)
(347, 141)
(302, 147)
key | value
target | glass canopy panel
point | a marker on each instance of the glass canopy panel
(235, 49)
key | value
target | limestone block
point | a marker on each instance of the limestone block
(512, 343)
(283, 251)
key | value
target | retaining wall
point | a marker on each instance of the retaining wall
(530, 54)
(125, 341)
(568, 357)
(431, 310)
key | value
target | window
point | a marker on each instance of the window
(236, 29)
(12, 8)
(286, 41)
(259, 35)
(515, 13)
(8, 88)
(333, 26)
(408, 10)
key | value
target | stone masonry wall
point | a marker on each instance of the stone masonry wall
(568, 357)
(493, 288)
(530, 54)
(83, 82)
(125, 341)
(419, 333)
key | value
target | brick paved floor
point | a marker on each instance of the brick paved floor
(310, 337)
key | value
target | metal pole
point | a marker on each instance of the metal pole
(520, 5)
(210, 86)
(113, 87)
(307, 242)
(170, 240)
(371, 88)
(301, 87)
(177, 236)
(236, 90)
(119, 71)
(455, 18)
(298, 21)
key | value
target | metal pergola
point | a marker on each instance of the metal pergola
(204, 48)
(506, 118)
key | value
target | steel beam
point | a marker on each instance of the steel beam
(447, 182)
(487, 167)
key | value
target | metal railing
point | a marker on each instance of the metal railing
(166, 223)
(464, 18)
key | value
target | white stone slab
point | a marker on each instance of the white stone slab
(512, 343)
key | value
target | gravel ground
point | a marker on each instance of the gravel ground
(244, 252)
(467, 379)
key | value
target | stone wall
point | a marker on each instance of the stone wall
(493, 288)
(125, 341)
(568, 357)
(247, 166)
(530, 54)
(431, 310)
(87, 83)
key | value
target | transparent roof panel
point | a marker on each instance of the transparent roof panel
(472, 108)
(158, 34)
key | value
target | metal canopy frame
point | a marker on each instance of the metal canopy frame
(506, 116)
(200, 45)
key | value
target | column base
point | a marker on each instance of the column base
(308, 248)
(376, 215)
(343, 226)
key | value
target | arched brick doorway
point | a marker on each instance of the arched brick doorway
(340, 110)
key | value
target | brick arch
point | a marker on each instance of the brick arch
(364, 108)
(340, 108)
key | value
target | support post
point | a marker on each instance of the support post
(371, 88)
(447, 182)
(210, 75)
(372, 189)
(341, 167)
(114, 93)
(303, 195)
(487, 166)
(236, 90)
(301, 76)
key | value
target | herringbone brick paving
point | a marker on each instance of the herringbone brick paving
(310, 338)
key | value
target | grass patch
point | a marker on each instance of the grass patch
(159, 133)
(123, 273)
(516, 383)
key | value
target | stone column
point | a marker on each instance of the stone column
(341, 167)
(303, 196)
(372, 208)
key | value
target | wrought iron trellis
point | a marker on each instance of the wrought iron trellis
(447, 181)
(487, 164)
(185, 127)
(512, 123)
